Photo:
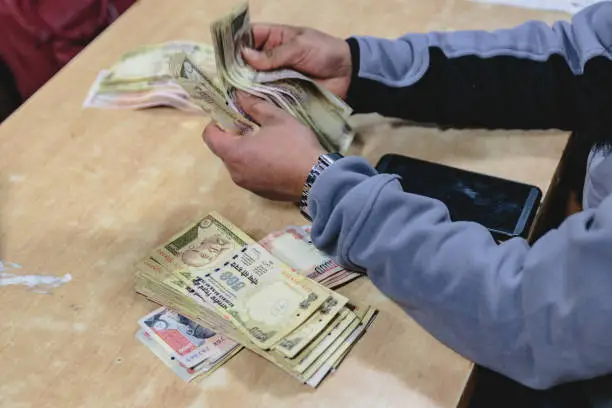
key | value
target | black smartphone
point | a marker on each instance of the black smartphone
(507, 208)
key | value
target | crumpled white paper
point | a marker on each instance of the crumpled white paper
(38, 283)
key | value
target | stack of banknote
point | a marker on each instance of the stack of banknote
(202, 79)
(141, 78)
(265, 296)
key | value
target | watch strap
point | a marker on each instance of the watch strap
(324, 161)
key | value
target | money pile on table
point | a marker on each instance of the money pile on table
(197, 78)
(220, 290)
(141, 78)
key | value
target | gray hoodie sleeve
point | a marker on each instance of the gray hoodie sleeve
(541, 315)
(533, 76)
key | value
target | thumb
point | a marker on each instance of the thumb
(262, 111)
(220, 142)
(285, 55)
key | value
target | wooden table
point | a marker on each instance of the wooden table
(89, 192)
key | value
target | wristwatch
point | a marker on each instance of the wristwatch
(325, 160)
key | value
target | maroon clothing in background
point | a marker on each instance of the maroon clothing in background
(38, 37)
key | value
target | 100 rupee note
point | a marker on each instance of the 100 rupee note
(291, 247)
(186, 374)
(190, 342)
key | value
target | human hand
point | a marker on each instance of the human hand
(275, 160)
(325, 58)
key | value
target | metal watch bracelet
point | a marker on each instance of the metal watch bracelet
(325, 160)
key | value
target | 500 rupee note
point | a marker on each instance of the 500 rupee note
(263, 297)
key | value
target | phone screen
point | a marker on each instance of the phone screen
(498, 204)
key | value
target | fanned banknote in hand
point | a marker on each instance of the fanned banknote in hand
(201, 79)
(210, 96)
(293, 92)
(141, 78)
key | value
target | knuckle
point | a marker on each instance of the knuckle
(300, 39)
(300, 51)
(270, 56)
(269, 53)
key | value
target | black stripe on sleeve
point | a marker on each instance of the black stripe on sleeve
(501, 92)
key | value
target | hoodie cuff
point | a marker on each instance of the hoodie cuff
(355, 95)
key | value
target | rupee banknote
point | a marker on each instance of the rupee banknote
(186, 374)
(212, 275)
(303, 98)
(142, 79)
(294, 247)
(190, 342)
(148, 77)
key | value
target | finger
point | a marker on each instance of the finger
(261, 34)
(285, 55)
(262, 111)
(267, 36)
(220, 142)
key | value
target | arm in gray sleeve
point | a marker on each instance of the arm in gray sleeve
(532, 76)
(540, 315)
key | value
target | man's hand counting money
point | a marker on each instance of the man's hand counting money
(274, 161)
(324, 58)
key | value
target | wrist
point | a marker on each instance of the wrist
(321, 165)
